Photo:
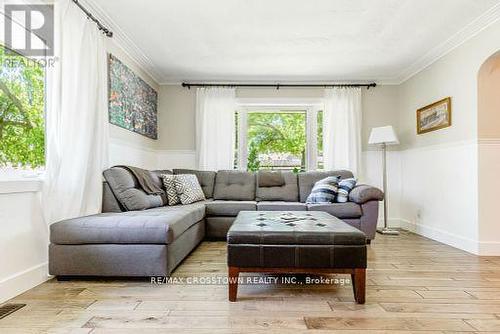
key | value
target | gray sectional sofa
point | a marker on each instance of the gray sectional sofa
(138, 235)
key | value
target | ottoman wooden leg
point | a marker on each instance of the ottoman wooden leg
(359, 285)
(233, 274)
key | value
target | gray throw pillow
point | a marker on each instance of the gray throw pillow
(168, 182)
(324, 191)
(188, 188)
(345, 187)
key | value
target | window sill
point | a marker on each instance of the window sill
(20, 185)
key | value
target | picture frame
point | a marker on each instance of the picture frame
(435, 116)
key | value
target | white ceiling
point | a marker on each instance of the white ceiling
(290, 40)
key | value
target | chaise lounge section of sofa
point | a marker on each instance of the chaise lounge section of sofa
(138, 235)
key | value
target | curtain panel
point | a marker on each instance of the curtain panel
(215, 128)
(76, 117)
(342, 129)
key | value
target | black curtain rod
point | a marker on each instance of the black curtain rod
(277, 86)
(102, 28)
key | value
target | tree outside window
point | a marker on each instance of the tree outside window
(22, 132)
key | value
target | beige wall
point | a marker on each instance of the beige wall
(489, 151)
(489, 99)
(177, 110)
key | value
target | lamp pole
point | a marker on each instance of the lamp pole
(386, 229)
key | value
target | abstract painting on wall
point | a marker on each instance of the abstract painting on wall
(133, 104)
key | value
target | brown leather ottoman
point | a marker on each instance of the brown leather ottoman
(311, 242)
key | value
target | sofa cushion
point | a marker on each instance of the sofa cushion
(270, 178)
(307, 180)
(281, 206)
(288, 192)
(154, 226)
(229, 208)
(234, 185)
(339, 210)
(127, 191)
(205, 178)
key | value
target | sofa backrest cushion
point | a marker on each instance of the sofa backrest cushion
(109, 201)
(127, 191)
(308, 179)
(288, 192)
(205, 178)
(234, 185)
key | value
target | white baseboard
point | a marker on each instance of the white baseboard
(20, 282)
(466, 244)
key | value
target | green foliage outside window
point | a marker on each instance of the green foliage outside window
(22, 132)
(276, 132)
(253, 163)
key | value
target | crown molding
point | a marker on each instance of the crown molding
(124, 41)
(463, 35)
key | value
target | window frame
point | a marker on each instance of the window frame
(309, 106)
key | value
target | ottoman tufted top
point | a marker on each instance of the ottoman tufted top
(299, 228)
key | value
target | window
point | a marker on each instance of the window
(22, 131)
(284, 138)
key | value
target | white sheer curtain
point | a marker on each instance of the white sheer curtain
(342, 129)
(77, 119)
(215, 128)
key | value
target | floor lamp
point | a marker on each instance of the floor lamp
(384, 136)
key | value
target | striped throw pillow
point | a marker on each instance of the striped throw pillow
(324, 191)
(345, 187)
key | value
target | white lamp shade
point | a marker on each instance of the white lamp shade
(383, 135)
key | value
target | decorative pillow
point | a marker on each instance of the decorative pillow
(324, 191)
(345, 187)
(168, 182)
(188, 188)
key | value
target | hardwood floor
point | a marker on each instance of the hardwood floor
(414, 285)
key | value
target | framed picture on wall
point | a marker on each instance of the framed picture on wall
(132, 102)
(434, 116)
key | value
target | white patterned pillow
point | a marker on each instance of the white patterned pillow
(345, 187)
(188, 188)
(168, 182)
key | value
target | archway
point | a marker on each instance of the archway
(488, 133)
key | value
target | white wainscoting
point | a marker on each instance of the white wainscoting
(372, 174)
(23, 240)
(439, 193)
